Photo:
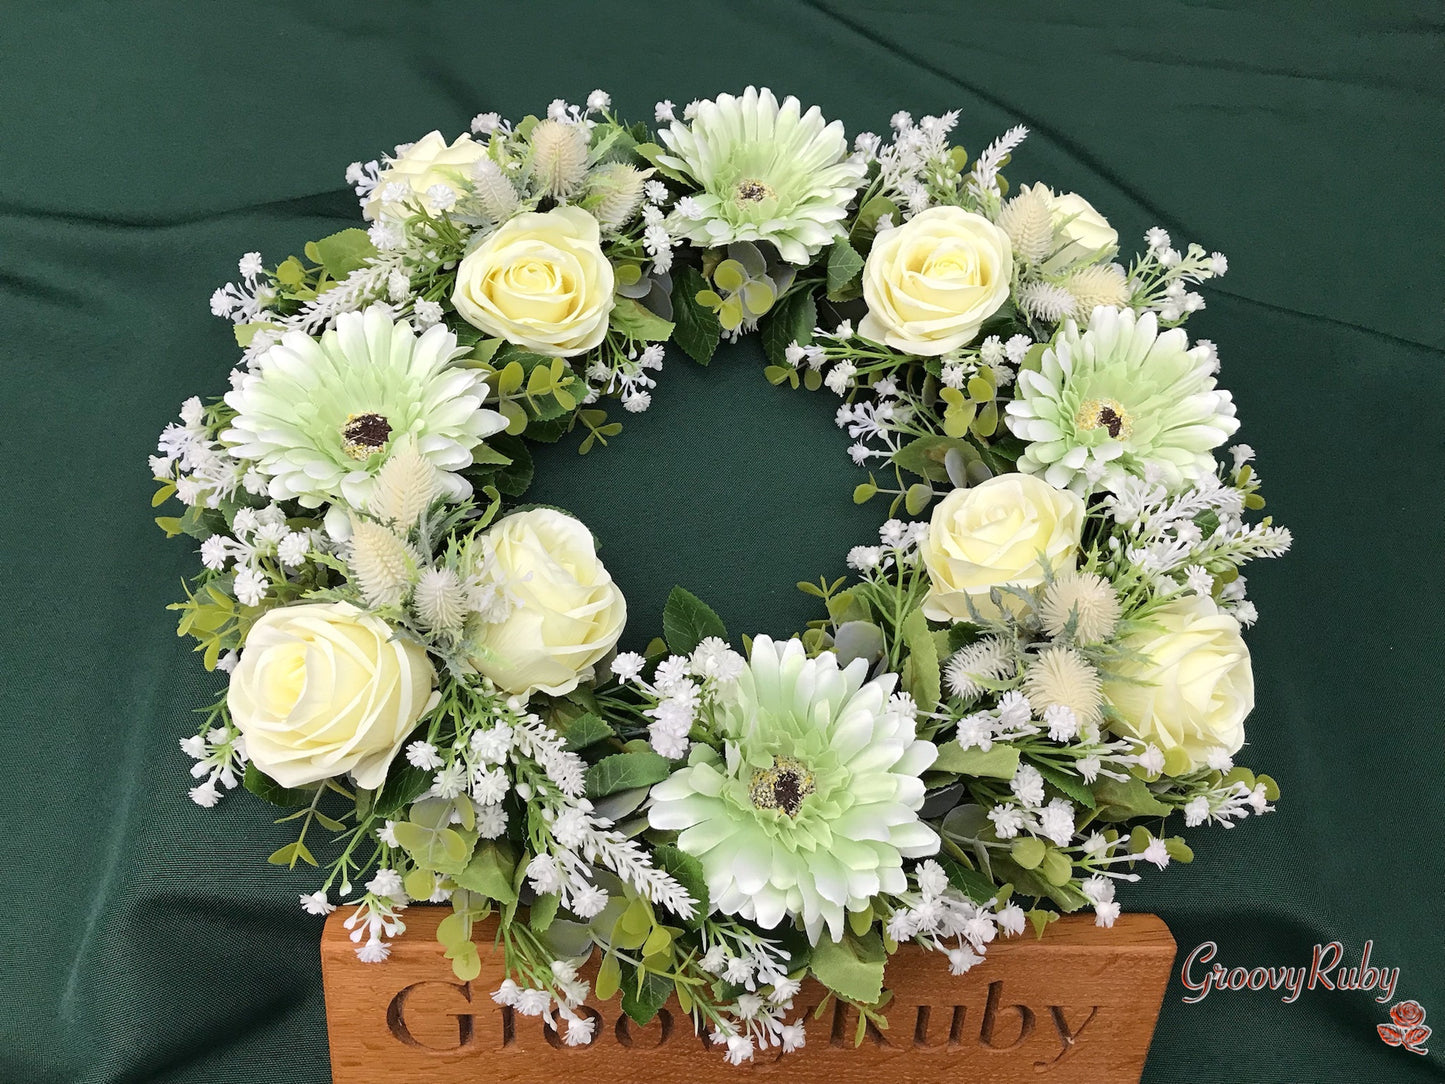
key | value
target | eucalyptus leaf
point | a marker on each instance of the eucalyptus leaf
(844, 265)
(858, 640)
(927, 456)
(696, 329)
(791, 321)
(609, 978)
(642, 998)
(636, 322)
(1028, 851)
(566, 939)
(344, 252)
(853, 967)
(942, 800)
(263, 786)
(688, 872)
(1124, 800)
(1056, 868)
(965, 821)
(491, 872)
(687, 620)
(999, 762)
(621, 804)
(926, 683)
(623, 771)
(970, 882)
(427, 837)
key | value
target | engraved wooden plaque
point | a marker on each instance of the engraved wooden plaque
(1078, 1007)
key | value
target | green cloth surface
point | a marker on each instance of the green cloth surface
(145, 146)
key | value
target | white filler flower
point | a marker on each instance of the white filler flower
(815, 805)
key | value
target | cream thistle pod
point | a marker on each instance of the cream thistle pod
(814, 805)
(540, 281)
(325, 688)
(993, 534)
(565, 613)
(1185, 683)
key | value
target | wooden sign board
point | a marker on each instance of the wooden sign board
(1078, 1007)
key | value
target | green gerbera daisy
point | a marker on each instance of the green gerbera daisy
(768, 172)
(319, 417)
(814, 806)
(1119, 399)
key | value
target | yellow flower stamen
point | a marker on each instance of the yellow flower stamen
(1105, 414)
(783, 786)
(752, 190)
(364, 433)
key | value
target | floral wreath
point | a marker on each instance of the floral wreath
(994, 721)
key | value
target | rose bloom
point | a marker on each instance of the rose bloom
(993, 534)
(1190, 686)
(426, 163)
(569, 613)
(540, 281)
(932, 282)
(323, 689)
(1407, 1014)
(1080, 230)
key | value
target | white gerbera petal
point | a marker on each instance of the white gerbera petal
(768, 172)
(1120, 399)
(321, 417)
(816, 803)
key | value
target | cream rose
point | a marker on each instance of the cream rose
(568, 615)
(1079, 229)
(541, 282)
(426, 163)
(323, 689)
(993, 534)
(1191, 688)
(932, 282)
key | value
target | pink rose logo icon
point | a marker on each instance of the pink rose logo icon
(1408, 1028)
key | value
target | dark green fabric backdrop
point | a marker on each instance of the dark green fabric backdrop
(144, 146)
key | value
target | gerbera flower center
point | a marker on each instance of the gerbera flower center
(783, 786)
(752, 190)
(364, 433)
(1105, 414)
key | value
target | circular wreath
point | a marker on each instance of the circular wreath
(995, 720)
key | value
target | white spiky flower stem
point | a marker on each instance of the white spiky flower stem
(405, 488)
(989, 659)
(620, 186)
(559, 158)
(440, 600)
(1028, 220)
(1100, 284)
(496, 194)
(382, 565)
(1045, 301)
